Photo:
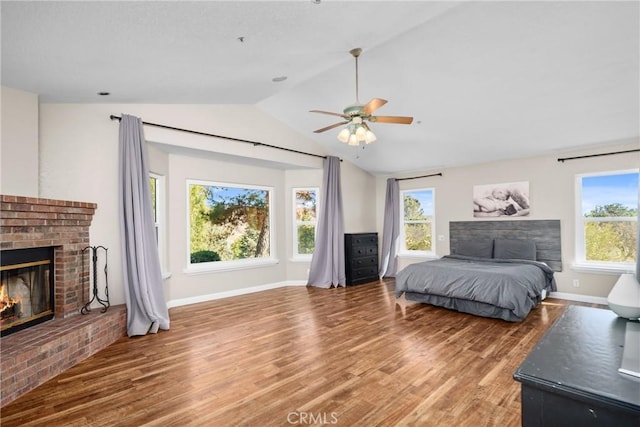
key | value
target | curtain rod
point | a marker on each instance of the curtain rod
(255, 143)
(597, 155)
(423, 176)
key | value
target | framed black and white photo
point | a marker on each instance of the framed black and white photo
(507, 199)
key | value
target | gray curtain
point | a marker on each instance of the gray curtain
(391, 230)
(327, 261)
(146, 307)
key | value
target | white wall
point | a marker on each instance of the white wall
(19, 143)
(79, 161)
(552, 193)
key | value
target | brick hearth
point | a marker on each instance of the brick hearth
(34, 355)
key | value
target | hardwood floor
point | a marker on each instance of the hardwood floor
(299, 356)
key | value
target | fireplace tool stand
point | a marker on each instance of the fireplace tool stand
(103, 302)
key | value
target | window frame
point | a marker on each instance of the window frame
(160, 220)
(581, 263)
(402, 249)
(298, 256)
(239, 264)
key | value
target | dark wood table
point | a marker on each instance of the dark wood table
(571, 376)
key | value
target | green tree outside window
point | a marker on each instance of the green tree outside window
(306, 219)
(228, 223)
(418, 220)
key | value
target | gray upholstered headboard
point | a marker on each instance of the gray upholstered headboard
(546, 234)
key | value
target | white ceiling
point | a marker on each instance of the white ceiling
(484, 80)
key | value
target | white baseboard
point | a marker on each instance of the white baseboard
(578, 297)
(233, 293)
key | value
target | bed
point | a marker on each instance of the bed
(495, 270)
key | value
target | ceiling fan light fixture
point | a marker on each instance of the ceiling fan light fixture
(369, 137)
(355, 133)
(357, 115)
(344, 134)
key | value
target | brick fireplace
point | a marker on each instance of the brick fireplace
(28, 222)
(34, 355)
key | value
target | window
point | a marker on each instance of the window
(229, 225)
(306, 215)
(156, 182)
(607, 218)
(417, 227)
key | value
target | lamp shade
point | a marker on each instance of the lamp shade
(343, 136)
(624, 298)
(356, 132)
(369, 137)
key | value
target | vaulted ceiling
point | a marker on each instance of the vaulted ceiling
(483, 80)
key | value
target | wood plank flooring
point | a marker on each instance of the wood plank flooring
(299, 356)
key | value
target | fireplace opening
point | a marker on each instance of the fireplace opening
(26, 288)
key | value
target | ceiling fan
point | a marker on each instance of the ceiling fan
(356, 115)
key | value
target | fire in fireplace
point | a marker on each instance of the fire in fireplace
(26, 288)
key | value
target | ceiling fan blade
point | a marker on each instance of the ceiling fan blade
(330, 127)
(402, 120)
(373, 105)
(344, 116)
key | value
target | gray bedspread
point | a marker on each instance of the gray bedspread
(506, 289)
